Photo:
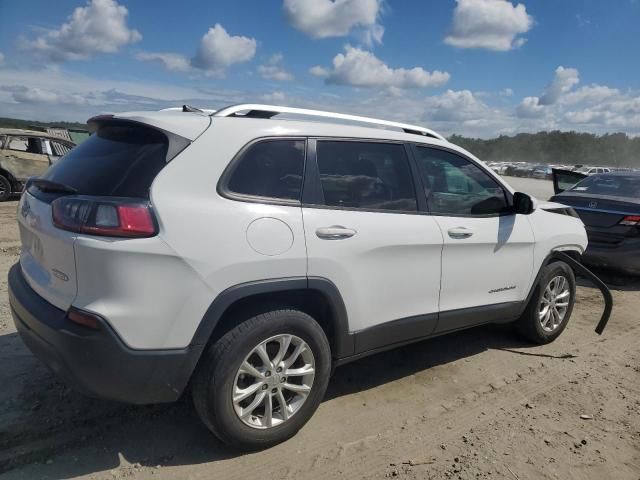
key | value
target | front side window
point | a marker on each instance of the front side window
(271, 169)
(366, 175)
(455, 186)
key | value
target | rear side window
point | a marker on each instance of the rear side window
(271, 169)
(118, 160)
(367, 175)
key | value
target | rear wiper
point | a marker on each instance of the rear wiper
(51, 186)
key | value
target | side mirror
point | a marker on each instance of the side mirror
(522, 203)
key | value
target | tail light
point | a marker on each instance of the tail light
(110, 217)
(631, 220)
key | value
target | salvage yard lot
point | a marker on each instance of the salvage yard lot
(476, 404)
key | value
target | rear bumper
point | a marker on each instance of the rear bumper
(623, 258)
(96, 362)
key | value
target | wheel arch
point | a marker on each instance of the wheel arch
(316, 296)
(573, 251)
(9, 176)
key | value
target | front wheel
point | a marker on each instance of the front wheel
(550, 306)
(263, 380)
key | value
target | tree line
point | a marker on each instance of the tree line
(556, 147)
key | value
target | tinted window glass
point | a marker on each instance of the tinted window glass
(117, 160)
(455, 186)
(272, 168)
(366, 175)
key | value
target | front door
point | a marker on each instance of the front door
(487, 258)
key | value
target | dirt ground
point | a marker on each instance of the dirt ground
(476, 404)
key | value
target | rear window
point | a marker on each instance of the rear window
(118, 160)
(614, 185)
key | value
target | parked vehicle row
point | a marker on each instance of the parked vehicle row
(521, 169)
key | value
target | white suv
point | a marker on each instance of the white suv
(245, 252)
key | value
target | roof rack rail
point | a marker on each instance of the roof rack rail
(267, 111)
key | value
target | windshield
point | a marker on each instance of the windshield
(614, 185)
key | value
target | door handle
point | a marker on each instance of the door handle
(335, 232)
(460, 232)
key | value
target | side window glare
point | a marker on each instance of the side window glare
(271, 169)
(366, 175)
(455, 186)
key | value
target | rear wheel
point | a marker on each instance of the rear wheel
(5, 189)
(263, 380)
(550, 306)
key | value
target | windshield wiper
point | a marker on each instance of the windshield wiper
(51, 186)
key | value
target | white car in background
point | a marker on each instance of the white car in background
(244, 253)
(592, 170)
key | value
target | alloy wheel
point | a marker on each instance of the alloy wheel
(273, 381)
(554, 303)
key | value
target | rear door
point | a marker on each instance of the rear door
(487, 257)
(366, 234)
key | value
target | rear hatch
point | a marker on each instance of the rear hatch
(118, 163)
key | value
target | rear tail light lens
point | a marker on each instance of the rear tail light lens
(631, 220)
(104, 216)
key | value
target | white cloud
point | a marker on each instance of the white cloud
(336, 18)
(274, 97)
(273, 69)
(455, 106)
(360, 68)
(590, 94)
(563, 81)
(171, 61)
(99, 27)
(1, 59)
(530, 108)
(22, 94)
(490, 24)
(72, 96)
(318, 71)
(219, 50)
(506, 92)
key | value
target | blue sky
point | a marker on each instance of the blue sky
(476, 67)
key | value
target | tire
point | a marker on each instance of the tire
(531, 325)
(218, 374)
(5, 189)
